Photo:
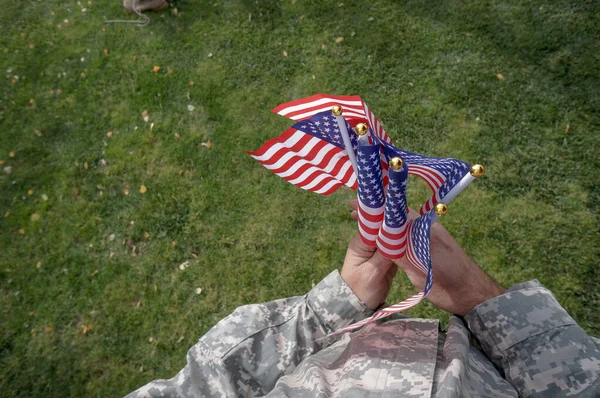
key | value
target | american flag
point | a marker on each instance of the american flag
(306, 161)
(323, 126)
(353, 105)
(440, 174)
(391, 241)
(314, 160)
(370, 193)
(418, 254)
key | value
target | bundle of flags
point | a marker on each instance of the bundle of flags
(322, 152)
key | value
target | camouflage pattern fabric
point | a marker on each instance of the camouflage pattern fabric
(522, 343)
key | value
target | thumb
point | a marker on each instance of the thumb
(379, 263)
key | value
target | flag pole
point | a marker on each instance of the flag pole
(337, 112)
(476, 171)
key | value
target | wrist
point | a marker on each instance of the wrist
(479, 293)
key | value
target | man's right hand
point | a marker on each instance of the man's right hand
(459, 284)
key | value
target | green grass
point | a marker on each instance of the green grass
(428, 71)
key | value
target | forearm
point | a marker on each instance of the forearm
(536, 344)
(248, 351)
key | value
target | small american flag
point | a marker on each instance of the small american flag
(323, 126)
(370, 193)
(353, 105)
(391, 241)
(440, 174)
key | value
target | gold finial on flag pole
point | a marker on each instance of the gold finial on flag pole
(477, 170)
(396, 163)
(441, 209)
(361, 129)
(342, 125)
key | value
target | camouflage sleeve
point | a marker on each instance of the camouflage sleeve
(536, 344)
(248, 351)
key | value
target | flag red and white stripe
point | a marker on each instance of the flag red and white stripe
(307, 162)
(391, 242)
(353, 107)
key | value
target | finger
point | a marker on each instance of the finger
(379, 261)
(360, 248)
(353, 203)
(378, 267)
(354, 215)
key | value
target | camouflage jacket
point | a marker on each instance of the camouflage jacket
(522, 343)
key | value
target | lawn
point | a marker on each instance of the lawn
(131, 219)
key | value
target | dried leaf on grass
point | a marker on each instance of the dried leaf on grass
(207, 144)
(143, 189)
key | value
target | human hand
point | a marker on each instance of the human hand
(459, 284)
(368, 273)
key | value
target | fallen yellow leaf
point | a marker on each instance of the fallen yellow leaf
(35, 217)
(38, 265)
(500, 76)
(86, 328)
(109, 134)
(22, 231)
(85, 165)
(173, 243)
(1, 162)
(106, 51)
(207, 144)
(126, 191)
(156, 68)
(11, 155)
(30, 192)
(339, 40)
(143, 189)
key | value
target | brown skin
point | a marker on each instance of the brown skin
(459, 286)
